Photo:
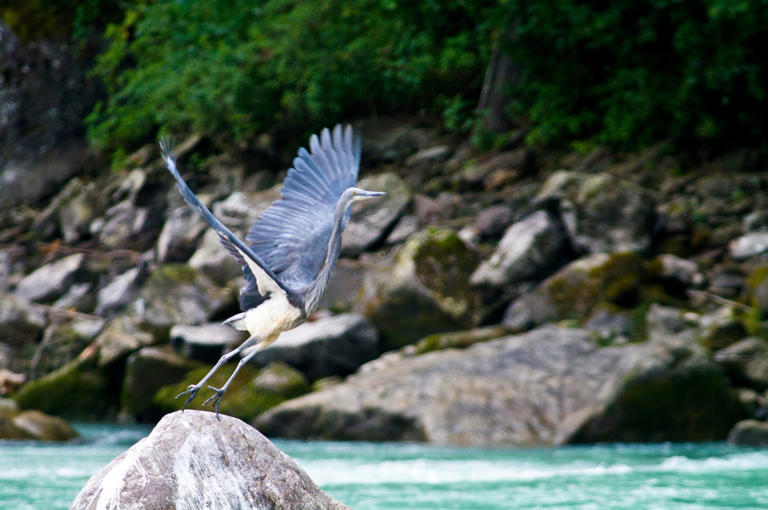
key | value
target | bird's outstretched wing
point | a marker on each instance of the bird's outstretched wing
(261, 279)
(293, 233)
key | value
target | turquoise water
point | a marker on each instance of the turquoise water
(405, 476)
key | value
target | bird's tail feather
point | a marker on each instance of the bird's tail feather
(237, 322)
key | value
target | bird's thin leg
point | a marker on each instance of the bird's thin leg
(192, 389)
(219, 392)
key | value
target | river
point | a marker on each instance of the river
(35, 475)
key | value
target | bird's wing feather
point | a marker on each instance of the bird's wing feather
(261, 279)
(292, 234)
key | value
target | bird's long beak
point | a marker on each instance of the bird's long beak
(370, 194)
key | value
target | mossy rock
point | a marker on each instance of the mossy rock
(684, 403)
(244, 399)
(757, 289)
(427, 290)
(282, 379)
(146, 371)
(614, 278)
(458, 339)
(78, 390)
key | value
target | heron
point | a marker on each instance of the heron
(291, 250)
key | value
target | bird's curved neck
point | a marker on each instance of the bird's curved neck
(317, 287)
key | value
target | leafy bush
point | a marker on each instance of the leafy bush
(237, 66)
(627, 73)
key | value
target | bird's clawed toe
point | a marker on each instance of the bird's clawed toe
(191, 390)
(215, 399)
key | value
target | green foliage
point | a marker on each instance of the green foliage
(237, 67)
(627, 73)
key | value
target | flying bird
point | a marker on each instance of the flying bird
(290, 252)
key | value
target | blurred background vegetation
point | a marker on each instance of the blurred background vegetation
(620, 73)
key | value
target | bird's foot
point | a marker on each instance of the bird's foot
(216, 399)
(191, 390)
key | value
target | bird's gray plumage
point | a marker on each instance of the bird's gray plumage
(292, 235)
(292, 249)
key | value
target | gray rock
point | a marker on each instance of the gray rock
(73, 209)
(205, 342)
(602, 213)
(372, 219)
(344, 288)
(493, 221)
(749, 433)
(428, 156)
(121, 337)
(481, 173)
(549, 386)
(393, 139)
(118, 293)
(746, 361)
(44, 427)
(5, 270)
(331, 346)
(62, 342)
(51, 280)
(665, 321)
(749, 245)
(21, 325)
(403, 229)
(177, 294)
(78, 297)
(191, 460)
(214, 261)
(30, 179)
(529, 248)
(179, 236)
(122, 225)
(681, 271)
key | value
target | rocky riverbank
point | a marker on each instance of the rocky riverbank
(513, 296)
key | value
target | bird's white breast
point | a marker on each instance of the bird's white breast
(272, 316)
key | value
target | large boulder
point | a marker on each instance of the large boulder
(51, 280)
(330, 346)
(191, 460)
(426, 290)
(529, 249)
(372, 219)
(602, 213)
(549, 386)
(575, 290)
(73, 209)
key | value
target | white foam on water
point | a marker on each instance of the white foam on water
(431, 471)
(746, 461)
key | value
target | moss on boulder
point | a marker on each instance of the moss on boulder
(246, 397)
(574, 291)
(78, 390)
(427, 290)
